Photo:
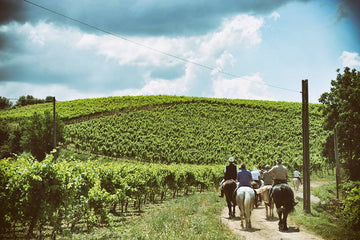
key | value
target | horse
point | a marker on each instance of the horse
(245, 197)
(264, 192)
(255, 185)
(283, 197)
(296, 183)
(229, 187)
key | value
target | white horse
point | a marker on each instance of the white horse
(264, 192)
(296, 183)
(245, 198)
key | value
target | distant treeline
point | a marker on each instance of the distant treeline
(6, 103)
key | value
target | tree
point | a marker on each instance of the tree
(5, 103)
(29, 100)
(341, 108)
(37, 134)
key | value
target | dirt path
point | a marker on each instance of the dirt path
(263, 229)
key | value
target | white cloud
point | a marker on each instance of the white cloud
(350, 59)
(80, 59)
(246, 87)
(275, 15)
(61, 92)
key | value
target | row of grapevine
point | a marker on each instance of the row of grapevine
(70, 192)
(78, 109)
(199, 133)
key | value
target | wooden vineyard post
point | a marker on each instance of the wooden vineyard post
(306, 152)
(54, 116)
(337, 162)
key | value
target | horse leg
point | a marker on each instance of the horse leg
(266, 208)
(241, 217)
(233, 210)
(280, 215)
(285, 227)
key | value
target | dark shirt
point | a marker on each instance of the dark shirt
(230, 172)
(244, 178)
(267, 179)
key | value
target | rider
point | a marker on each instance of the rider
(255, 174)
(230, 172)
(244, 177)
(279, 174)
(266, 176)
(297, 175)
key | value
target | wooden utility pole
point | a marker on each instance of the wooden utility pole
(306, 152)
(337, 162)
(54, 116)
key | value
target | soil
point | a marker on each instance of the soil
(266, 229)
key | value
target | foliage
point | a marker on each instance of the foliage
(327, 217)
(201, 133)
(5, 103)
(341, 108)
(37, 134)
(83, 109)
(38, 194)
(351, 205)
(4, 136)
(30, 100)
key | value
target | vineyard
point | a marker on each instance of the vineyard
(75, 192)
(201, 133)
(158, 146)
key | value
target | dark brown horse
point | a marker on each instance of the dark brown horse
(229, 187)
(283, 197)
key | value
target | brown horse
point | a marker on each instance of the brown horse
(229, 187)
(264, 192)
(283, 197)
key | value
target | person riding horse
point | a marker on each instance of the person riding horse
(279, 174)
(230, 172)
(297, 175)
(266, 176)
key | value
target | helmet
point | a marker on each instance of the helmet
(279, 160)
(267, 166)
(231, 159)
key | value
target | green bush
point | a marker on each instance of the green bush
(351, 205)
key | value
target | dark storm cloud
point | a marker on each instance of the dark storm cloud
(350, 9)
(11, 10)
(143, 17)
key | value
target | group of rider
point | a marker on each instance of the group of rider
(270, 176)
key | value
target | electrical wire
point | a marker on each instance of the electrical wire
(150, 48)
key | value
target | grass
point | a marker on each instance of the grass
(325, 218)
(193, 217)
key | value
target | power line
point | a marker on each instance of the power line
(151, 48)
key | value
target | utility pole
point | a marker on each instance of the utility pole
(306, 152)
(54, 116)
(337, 162)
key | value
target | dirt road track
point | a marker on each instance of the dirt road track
(263, 229)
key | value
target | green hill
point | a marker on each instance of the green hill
(177, 129)
(170, 129)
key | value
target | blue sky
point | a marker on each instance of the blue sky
(226, 49)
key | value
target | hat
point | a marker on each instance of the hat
(231, 159)
(267, 166)
(279, 160)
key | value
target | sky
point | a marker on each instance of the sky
(238, 49)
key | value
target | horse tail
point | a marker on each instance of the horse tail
(248, 204)
(289, 195)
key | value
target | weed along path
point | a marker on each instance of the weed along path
(267, 229)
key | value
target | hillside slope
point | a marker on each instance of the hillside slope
(169, 129)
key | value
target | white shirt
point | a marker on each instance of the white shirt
(296, 173)
(255, 174)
